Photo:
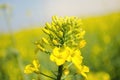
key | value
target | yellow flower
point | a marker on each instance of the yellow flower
(82, 70)
(59, 55)
(34, 67)
(36, 64)
(75, 56)
(29, 69)
(76, 59)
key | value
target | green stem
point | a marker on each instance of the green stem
(59, 72)
(45, 75)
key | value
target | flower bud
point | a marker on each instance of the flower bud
(80, 35)
(45, 40)
(60, 33)
(48, 25)
(46, 31)
(82, 44)
(55, 42)
(40, 47)
(54, 18)
(66, 71)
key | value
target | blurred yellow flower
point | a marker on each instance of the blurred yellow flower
(82, 70)
(98, 76)
(76, 59)
(34, 67)
(96, 49)
(29, 69)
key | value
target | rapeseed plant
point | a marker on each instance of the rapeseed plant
(65, 39)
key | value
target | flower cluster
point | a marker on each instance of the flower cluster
(63, 43)
(66, 54)
(62, 32)
(66, 37)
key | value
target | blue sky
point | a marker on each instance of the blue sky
(36, 12)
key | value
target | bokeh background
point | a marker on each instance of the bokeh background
(20, 26)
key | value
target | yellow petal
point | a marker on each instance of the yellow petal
(60, 61)
(29, 69)
(77, 60)
(69, 58)
(82, 70)
(36, 64)
(56, 51)
(84, 75)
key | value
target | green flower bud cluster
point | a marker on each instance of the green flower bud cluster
(64, 31)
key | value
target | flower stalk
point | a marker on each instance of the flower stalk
(47, 76)
(60, 71)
